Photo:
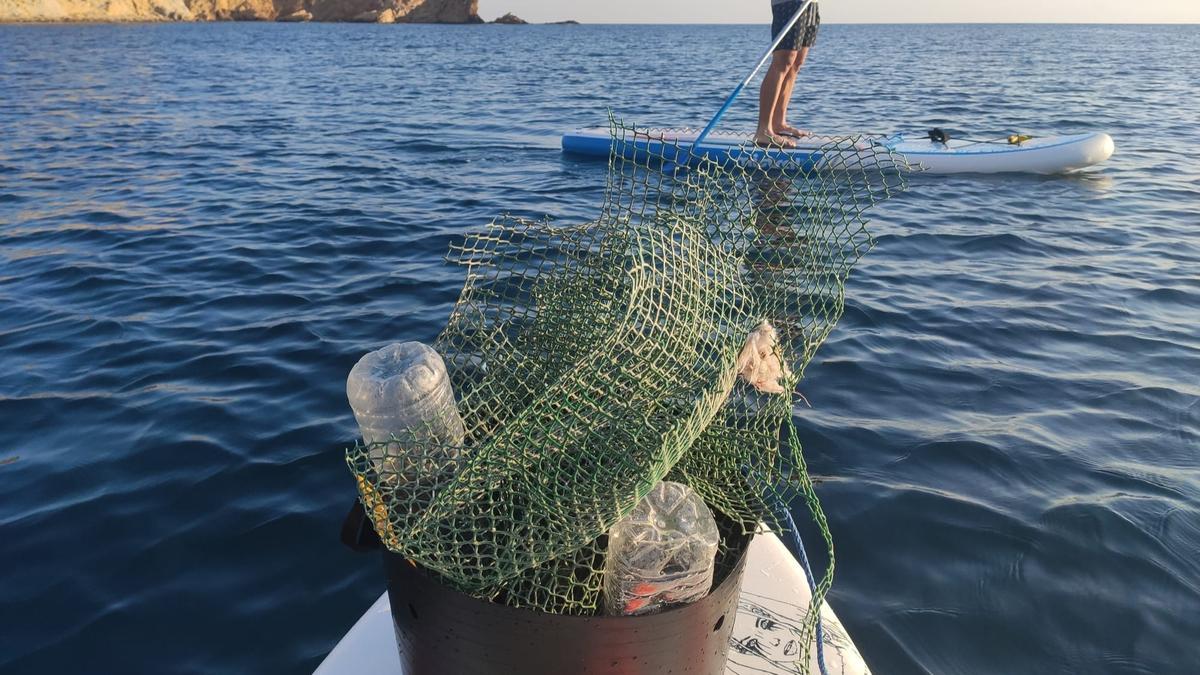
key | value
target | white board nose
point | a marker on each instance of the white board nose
(1107, 148)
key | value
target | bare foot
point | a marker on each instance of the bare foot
(789, 130)
(769, 140)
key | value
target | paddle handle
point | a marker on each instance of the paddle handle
(738, 90)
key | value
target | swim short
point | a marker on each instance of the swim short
(804, 33)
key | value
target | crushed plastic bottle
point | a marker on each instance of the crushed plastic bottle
(403, 391)
(662, 553)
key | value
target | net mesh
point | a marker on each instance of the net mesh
(591, 361)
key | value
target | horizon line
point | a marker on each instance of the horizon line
(9, 22)
(870, 23)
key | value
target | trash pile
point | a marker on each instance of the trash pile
(608, 398)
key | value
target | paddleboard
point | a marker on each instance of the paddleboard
(766, 637)
(1045, 155)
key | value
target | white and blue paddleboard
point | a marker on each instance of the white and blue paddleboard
(766, 635)
(1044, 155)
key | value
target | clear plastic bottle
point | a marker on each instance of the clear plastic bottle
(403, 391)
(662, 553)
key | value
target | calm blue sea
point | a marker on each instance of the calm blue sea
(202, 227)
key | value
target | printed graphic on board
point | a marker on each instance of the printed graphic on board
(766, 639)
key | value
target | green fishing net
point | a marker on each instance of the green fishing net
(593, 360)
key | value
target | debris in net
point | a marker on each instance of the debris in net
(591, 360)
(662, 553)
(759, 363)
(404, 404)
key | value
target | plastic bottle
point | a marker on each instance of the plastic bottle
(403, 391)
(662, 553)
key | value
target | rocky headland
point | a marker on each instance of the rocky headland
(511, 19)
(374, 11)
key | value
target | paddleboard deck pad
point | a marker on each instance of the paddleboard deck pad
(1044, 155)
(772, 607)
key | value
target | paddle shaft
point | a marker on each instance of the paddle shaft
(738, 90)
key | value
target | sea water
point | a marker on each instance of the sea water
(204, 226)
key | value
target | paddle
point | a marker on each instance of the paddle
(738, 90)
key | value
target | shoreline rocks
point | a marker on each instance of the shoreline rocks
(370, 11)
(297, 16)
(511, 20)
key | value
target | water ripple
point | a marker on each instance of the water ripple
(205, 225)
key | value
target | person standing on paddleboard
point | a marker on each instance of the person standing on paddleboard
(773, 129)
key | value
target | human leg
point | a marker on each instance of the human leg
(773, 84)
(779, 121)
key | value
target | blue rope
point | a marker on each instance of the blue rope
(798, 547)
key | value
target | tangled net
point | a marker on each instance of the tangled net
(593, 361)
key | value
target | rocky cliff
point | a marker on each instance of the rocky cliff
(511, 19)
(378, 11)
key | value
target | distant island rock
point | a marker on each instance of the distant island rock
(568, 22)
(372, 11)
(511, 19)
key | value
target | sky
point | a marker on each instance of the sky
(852, 11)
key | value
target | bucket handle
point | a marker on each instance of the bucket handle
(358, 534)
